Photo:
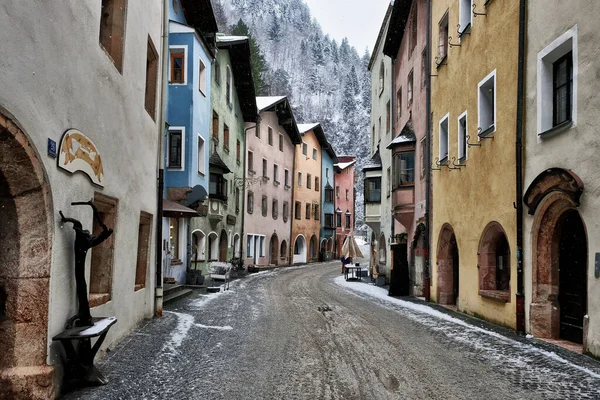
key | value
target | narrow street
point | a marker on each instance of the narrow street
(305, 333)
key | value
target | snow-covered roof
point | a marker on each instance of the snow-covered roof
(303, 128)
(401, 139)
(221, 38)
(267, 101)
(345, 165)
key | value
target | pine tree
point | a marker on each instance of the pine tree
(257, 59)
(275, 29)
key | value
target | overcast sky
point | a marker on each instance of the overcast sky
(358, 20)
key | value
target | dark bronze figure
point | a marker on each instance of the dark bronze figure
(84, 241)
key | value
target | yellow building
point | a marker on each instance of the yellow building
(473, 100)
(306, 209)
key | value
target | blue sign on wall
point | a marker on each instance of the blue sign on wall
(51, 148)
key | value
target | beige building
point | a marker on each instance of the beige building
(562, 196)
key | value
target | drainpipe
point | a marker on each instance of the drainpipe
(520, 296)
(384, 173)
(427, 272)
(243, 205)
(160, 158)
(293, 211)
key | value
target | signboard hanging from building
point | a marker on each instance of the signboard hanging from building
(79, 153)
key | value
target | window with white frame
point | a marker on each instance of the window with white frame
(229, 87)
(201, 156)
(462, 136)
(466, 16)
(176, 150)
(443, 138)
(443, 39)
(557, 83)
(305, 149)
(486, 100)
(202, 77)
(178, 59)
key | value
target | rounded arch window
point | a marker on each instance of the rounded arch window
(494, 263)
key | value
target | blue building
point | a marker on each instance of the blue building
(327, 242)
(192, 49)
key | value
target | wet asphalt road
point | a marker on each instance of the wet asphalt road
(296, 334)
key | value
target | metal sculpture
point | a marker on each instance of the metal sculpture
(84, 241)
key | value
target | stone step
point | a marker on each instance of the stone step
(172, 295)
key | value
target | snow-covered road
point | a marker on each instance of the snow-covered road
(306, 333)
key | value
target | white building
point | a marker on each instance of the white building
(561, 225)
(85, 73)
(378, 203)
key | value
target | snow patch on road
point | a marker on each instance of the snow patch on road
(420, 312)
(184, 323)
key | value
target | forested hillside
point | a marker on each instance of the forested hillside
(327, 81)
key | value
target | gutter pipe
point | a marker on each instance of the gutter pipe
(160, 158)
(427, 283)
(520, 296)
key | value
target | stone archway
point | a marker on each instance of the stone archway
(25, 258)
(448, 267)
(417, 262)
(493, 260)
(556, 219)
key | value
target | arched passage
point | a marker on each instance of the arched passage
(274, 250)
(300, 250)
(223, 246)
(198, 246)
(559, 274)
(25, 258)
(417, 262)
(448, 267)
(313, 248)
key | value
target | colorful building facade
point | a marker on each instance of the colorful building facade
(217, 234)
(306, 223)
(407, 47)
(473, 235)
(344, 199)
(271, 148)
(327, 239)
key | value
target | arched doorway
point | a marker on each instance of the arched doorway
(236, 246)
(559, 255)
(299, 250)
(198, 247)
(382, 256)
(283, 250)
(223, 246)
(274, 250)
(373, 260)
(213, 247)
(417, 262)
(448, 267)
(313, 248)
(25, 259)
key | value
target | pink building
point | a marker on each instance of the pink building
(270, 148)
(407, 46)
(344, 199)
